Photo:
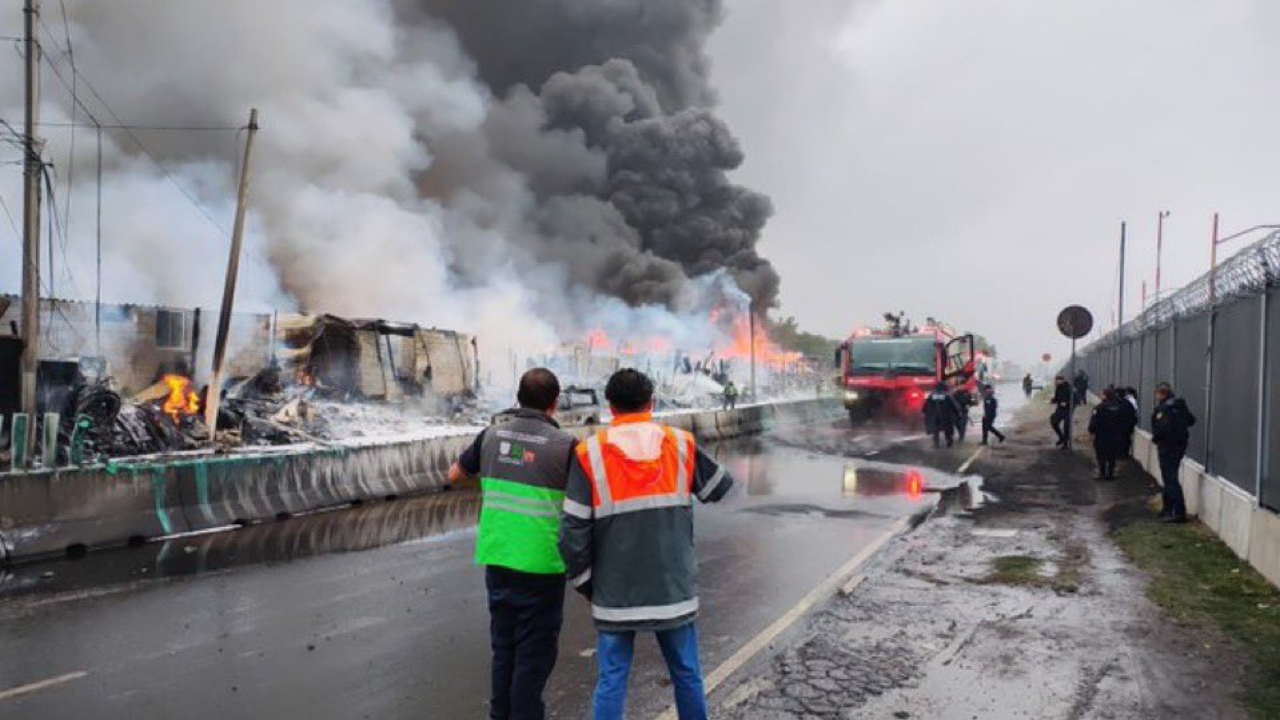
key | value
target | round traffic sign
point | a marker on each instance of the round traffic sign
(1075, 322)
(1046, 357)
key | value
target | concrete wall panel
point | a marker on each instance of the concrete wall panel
(1264, 544)
(1237, 515)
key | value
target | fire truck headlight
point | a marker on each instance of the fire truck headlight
(852, 396)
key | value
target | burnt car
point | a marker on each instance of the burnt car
(579, 406)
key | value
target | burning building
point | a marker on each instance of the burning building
(376, 359)
(134, 345)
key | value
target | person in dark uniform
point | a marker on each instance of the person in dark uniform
(1028, 384)
(1061, 402)
(990, 409)
(1081, 386)
(523, 464)
(941, 414)
(1128, 398)
(1171, 422)
(963, 402)
(1108, 425)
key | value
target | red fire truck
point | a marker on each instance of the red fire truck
(889, 371)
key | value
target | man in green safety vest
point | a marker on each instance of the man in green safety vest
(523, 464)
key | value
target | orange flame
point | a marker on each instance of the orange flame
(182, 399)
(766, 351)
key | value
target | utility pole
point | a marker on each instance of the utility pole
(751, 316)
(1159, 248)
(1213, 263)
(1120, 311)
(214, 396)
(32, 166)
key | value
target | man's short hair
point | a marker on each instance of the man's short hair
(539, 389)
(629, 390)
(1164, 387)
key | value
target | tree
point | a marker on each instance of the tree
(786, 333)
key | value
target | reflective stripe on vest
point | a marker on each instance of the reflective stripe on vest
(519, 527)
(649, 612)
(605, 505)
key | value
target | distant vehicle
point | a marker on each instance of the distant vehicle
(579, 406)
(889, 372)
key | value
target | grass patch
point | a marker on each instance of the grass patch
(1016, 570)
(1028, 571)
(1201, 583)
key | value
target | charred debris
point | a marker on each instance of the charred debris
(325, 378)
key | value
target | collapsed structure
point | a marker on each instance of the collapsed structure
(131, 379)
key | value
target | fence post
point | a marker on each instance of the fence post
(1208, 393)
(1264, 400)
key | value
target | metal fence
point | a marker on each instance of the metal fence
(1217, 341)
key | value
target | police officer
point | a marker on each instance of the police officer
(990, 410)
(1062, 397)
(1108, 426)
(1027, 384)
(523, 464)
(1170, 431)
(941, 415)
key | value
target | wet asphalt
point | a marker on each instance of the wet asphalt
(378, 612)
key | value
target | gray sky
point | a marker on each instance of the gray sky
(973, 159)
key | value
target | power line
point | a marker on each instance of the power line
(135, 126)
(71, 154)
(136, 141)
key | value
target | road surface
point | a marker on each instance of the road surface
(377, 611)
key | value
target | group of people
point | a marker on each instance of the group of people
(946, 415)
(611, 517)
(1111, 427)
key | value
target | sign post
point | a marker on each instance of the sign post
(1075, 322)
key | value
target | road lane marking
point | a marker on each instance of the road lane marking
(41, 685)
(965, 467)
(825, 589)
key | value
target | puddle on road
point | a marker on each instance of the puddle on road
(779, 478)
(344, 530)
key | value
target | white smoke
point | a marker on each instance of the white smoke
(388, 179)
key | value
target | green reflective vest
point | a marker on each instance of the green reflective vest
(524, 462)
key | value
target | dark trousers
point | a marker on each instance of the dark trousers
(1106, 462)
(525, 613)
(948, 432)
(1058, 421)
(989, 428)
(1174, 503)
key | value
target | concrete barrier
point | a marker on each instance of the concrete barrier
(1252, 532)
(42, 514)
(1264, 544)
(1237, 516)
(1192, 477)
(46, 512)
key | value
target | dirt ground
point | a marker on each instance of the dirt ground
(1022, 607)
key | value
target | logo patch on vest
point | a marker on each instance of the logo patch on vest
(514, 453)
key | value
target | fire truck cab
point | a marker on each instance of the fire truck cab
(888, 372)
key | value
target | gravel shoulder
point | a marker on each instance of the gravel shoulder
(1022, 607)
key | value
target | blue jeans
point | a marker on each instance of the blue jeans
(679, 648)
